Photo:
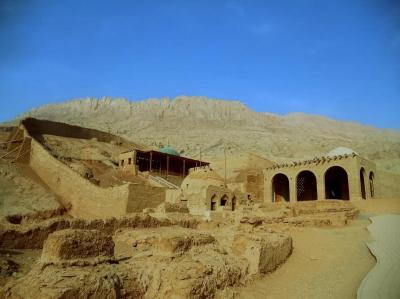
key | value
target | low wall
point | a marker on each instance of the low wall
(86, 200)
(142, 196)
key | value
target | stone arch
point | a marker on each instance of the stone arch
(306, 185)
(213, 203)
(362, 183)
(224, 200)
(280, 188)
(371, 184)
(336, 183)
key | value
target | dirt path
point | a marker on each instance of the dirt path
(326, 263)
(383, 280)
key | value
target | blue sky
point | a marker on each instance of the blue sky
(336, 58)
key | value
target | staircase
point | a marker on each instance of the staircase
(15, 150)
(159, 180)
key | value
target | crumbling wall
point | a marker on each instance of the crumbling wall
(141, 197)
(62, 245)
(34, 235)
(85, 199)
(38, 127)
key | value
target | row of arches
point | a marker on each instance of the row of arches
(371, 179)
(336, 185)
(222, 202)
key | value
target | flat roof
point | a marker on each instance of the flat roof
(165, 154)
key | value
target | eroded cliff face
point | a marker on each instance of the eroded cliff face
(191, 123)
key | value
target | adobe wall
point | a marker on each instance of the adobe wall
(255, 185)
(86, 200)
(37, 127)
(173, 196)
(141, 197)
(196, 201)
(123, 162)
(351, 164)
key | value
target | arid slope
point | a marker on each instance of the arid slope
(191, 123)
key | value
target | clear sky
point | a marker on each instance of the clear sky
(336, 58)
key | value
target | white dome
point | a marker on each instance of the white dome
(341, 151)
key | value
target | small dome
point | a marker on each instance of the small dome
(169, 150)
(341, 151)
(200, 179)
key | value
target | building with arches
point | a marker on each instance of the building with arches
(203, 190)
(341, 174)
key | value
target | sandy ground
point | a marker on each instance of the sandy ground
(326, 262)
(23, 258)
(383, 280)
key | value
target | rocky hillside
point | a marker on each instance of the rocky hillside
(191, 123)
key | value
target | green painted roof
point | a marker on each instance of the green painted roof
(169, 150)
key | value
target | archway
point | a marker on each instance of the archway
(306, 184)
(224, 200)
(280, 188)
(336, 183)
(362, 183)
(371, 184)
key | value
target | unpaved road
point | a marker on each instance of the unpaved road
(326, 262)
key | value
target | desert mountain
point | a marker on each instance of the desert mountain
(193, 123)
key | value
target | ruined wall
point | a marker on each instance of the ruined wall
(37, 127)
(255, 185)
(124, 165)
(141, 197)
(85, 199)
(173, 196)
(351, 164)
(196, 201)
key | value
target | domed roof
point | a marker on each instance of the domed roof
(202, 179)
(169, 150)
(341, 151)
(205, 174)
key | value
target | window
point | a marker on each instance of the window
(122, 162)
(129, 161)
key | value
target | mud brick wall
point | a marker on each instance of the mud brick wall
(352, 164)
(85, 199)
(141, 197)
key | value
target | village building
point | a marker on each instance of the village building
(203, 190)
(165, 164)
(340, 174)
